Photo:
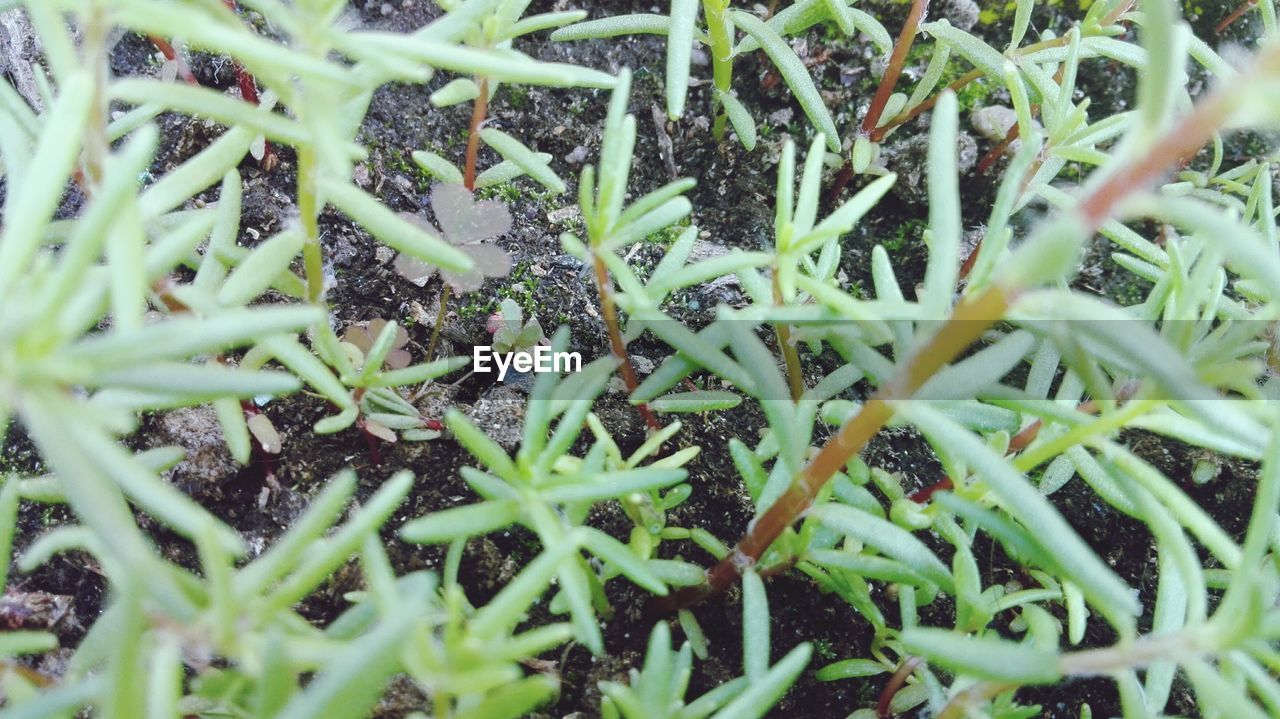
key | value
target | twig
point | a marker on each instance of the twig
(1236, 14)
(896, 61)
(795, 373)
(604, 286)
(170, 54)
(895, 684)
(968, 321)
(479, 109)
(435, 331)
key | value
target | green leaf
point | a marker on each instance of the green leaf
(1025, 503)
(470, 520)
(513, 700)
(888, 538)
(943, 237)
(437, 167)
(755, 627)
(637, 24)
(697, 401)
(504, 66)
(793, 72)
(850, 669)
(761, 695)
(195, 175)
(598, 487)
(204, 102)
(463, 89)
(985, 658)
(513, 150)
(684, 14)
(351, 683)
(257, 272)
(740, 117)
(480, 445)
(507, 607)
(624, 560)
(183, 337)
(31, 201)
(545, 21)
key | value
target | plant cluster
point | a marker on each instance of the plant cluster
(1019, 381)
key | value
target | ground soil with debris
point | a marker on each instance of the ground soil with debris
(733, 206)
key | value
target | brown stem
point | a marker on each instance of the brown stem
(989, 159)
(895, 684)
(795, 373)
(969, 320)
(896, 60)
(910, 114)
(604, 286)
(435, 331)
(249, 93)
(1236, 14)
(478, 111)
(913, 112)
(170, 54)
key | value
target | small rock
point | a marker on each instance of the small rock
(566, 262)
(564, 214)
(642, 365)
(197, 431)
(782, 117)
(361, 175)
(500, 413)
(703, 250)
(961, 13)
(384, 254)
(578, 156)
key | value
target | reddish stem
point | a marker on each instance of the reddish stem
(994, 153)
(249, 93)
(478, 111)
(969, 320)
(896, 61)
(604, 286)
(1236, 14)
(923, 107)
(170, 54)
(894, 685)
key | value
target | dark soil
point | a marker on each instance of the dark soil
(733, 204)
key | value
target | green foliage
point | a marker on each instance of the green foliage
(145, 300)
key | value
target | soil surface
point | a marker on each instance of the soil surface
(733, 206)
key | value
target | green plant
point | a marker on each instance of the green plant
(721, 25)
(491, 27)
(1004, 366)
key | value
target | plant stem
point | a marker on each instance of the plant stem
(721, 60)
(968, 321)
(795, 373)
(913, 112)
(1236, 14)
(604, 286)
(896, 61)
(894, 685)
(309, 210)
(479, 109)
(171, 54)
(962, 81)
(435, 331)
(96, 146)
